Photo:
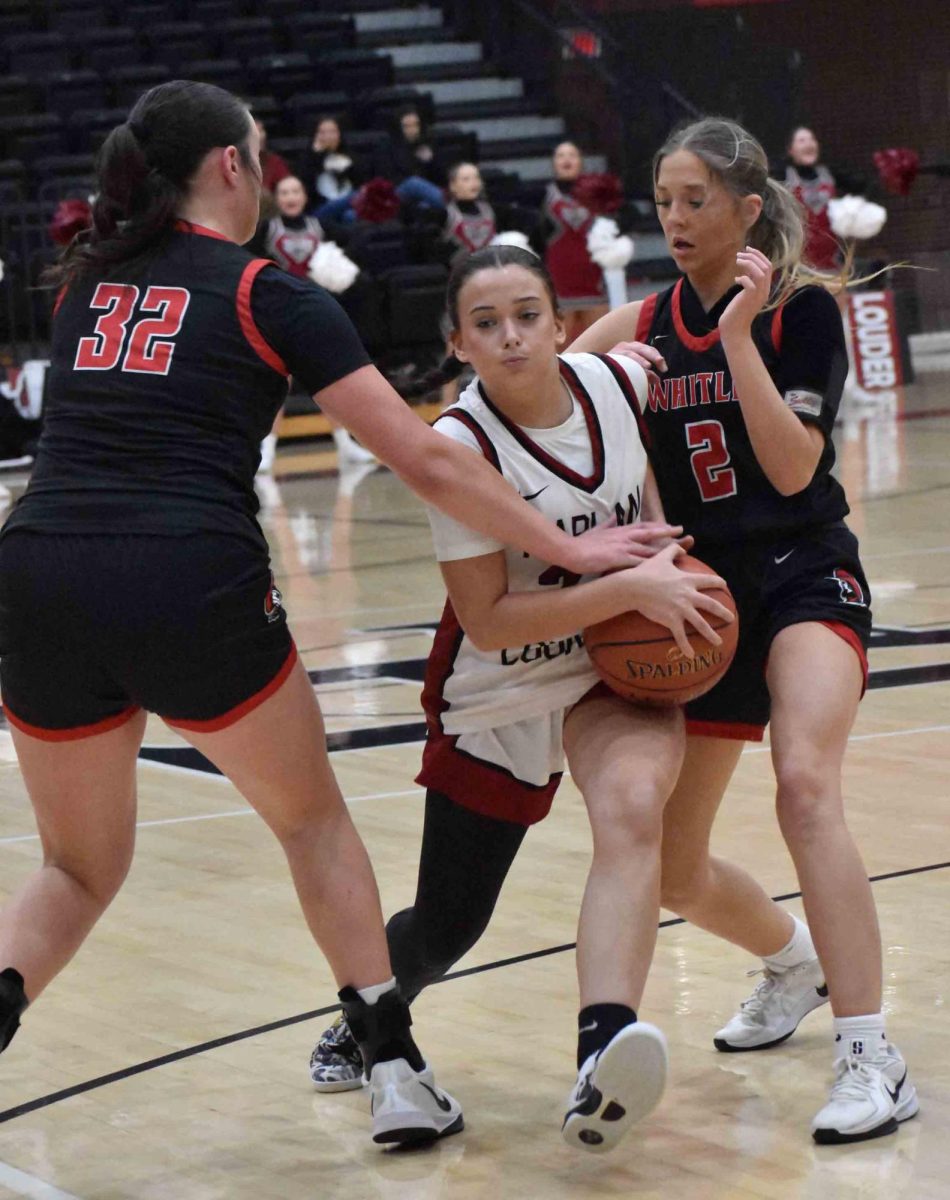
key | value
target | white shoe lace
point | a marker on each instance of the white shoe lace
(853, 1077)
(755, 1004)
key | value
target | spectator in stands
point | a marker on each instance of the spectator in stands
(470, 220)
(813, 185)
(292, 237)
(328, 172)
(565, 224)
(414, 166)
(273, 167)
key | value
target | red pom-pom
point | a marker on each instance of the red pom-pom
(897, 168)
(71, 217)
(601, 194)
(377, 201)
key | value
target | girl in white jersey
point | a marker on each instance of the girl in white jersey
(510, 690)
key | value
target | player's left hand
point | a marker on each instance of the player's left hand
(611, 547)
(754, 276)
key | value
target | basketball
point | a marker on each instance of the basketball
(640, 660)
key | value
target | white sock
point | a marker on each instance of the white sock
(861, 1037)
(799, 949)
(370, 995)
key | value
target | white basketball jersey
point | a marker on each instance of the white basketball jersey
(578, 474)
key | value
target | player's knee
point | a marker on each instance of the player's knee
(807, 798)
(628, 811)
(100, 877)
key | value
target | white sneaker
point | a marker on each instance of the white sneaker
(772, 1013)
(616, 1087)
(869, 1098)
(408, 1106)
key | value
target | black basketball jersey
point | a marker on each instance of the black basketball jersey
(709, 478)
(163, 383)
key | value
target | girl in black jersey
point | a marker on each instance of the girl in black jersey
(134, 576)
(749, 361)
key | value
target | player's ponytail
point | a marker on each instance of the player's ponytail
(144, 169)
(488, 259)
(734, 156)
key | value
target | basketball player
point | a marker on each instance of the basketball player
(134, 576)
(749, 362)
(509, 689)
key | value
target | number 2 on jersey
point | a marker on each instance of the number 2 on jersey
(150, 347)
(710, 460)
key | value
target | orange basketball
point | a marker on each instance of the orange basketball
(640, 660)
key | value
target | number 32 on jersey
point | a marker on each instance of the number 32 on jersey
(148, 345)
(710, 460)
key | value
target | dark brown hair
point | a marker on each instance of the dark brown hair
(144, 169)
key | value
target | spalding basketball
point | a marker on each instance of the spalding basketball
(640, 660)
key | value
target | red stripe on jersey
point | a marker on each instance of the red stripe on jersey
(587, 483)
(645, 319)
(240, 710)
(630, 394)
(246, 317)
(697, 344)
(777, 328)
(484, 441)
(200, 230)
(77, 731)
(733, 730)
(60, 297)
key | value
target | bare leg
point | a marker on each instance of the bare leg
(810, 727)
(276, 757)
(625, 761)
(707, 891)
(83, 794)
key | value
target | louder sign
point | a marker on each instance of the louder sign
(874, 336)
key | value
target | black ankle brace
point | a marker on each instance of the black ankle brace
(382, 1029)
(13, 1002)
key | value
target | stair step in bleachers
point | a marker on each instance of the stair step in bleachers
(416, 19)
(539, 167)
(470, 91)
(489, 129)
(430, 54)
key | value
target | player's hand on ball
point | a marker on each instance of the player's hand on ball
(674, 598)
(611, 547)
(645, 356)
(754, 276)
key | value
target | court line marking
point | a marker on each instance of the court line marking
(228, 1039)
(243, 812)
(21, 1183)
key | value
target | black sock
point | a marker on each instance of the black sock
(13, 1002)
(597, 1024)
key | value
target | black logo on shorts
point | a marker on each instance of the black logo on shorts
(273, 602)
(851, 590)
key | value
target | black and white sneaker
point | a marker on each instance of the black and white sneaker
(408, 1106)
(616, 1087)
(772, 1013)
(336, 1064)
(869, 1099)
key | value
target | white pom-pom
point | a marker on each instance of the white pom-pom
(614, 256)
(511, 237)
(855, 217)
(602, 233)
(330, 267)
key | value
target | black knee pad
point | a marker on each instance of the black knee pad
(13, 1002)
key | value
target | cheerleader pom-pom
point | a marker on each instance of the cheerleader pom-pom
(71, 217)
(855, 217)
(598, 193)
(330, 267)
(609, 250)
(512, 237)
(377, 201)
(897, 168)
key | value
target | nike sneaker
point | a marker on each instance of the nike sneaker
(772, 1013)
(336, 1064)
(869, 1097)
(408, 1106)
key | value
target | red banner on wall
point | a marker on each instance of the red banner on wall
(874, 336)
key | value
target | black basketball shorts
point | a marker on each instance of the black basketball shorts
(95, 627)
(812, 576)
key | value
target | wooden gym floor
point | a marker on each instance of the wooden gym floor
(169, 1061)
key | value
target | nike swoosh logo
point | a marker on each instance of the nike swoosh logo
(537, 493)
(897, 1091)
(783, 558)
(444, 1104)
(588, 1028)
(658, 337)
